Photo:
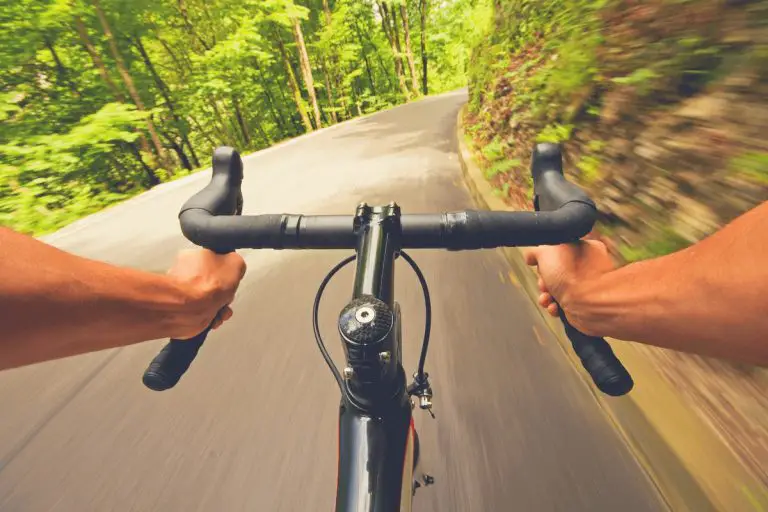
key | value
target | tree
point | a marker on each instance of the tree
(126, 76)
(294, 85)
(306, 69)
(91, 89)
(408, 52)
(390, 30)
(424, 61)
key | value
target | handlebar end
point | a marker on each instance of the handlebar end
(227, 162)
(222, 195)
(546, 156)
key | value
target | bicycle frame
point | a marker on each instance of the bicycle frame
(376, 431)
(376, 434)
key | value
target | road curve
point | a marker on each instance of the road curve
(252, 427)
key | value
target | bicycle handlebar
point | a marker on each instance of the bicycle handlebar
(564, 214)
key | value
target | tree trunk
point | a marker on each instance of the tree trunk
(166, 93)
(205, 133)
(276, 115)
(264, 136)
(329, 93)
(98, 63)
(152, 178)
(390, 29)
(129, 81)
(179, 150)
(382, 65)
(190, 26)
(306, 69)
(334, 64)
(294, 85)
(62, 75)
(424, 59)
(408, 52)
(181, 68)
(396, 37)
(365, 58)
(327, 11)
(229, 135)
(192, 151)
(241, 120)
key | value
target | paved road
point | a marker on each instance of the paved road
(253, 425)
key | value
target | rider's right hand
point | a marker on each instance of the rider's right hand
(210, 281)
(565, 272)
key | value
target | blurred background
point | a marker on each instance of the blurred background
(661, 106)
(663, 109)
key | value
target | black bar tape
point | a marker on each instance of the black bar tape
(597, 357)
(167, 368)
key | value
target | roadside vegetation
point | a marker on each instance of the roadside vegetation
(661, 107)
(103, 99)
(654, 101)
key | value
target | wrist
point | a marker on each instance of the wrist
(189, 306)
(174, 306)
(579, 305)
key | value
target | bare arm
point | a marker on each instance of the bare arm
(55, 304)
(711, 298)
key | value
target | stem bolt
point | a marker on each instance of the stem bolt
(349, 372)
(385, 357)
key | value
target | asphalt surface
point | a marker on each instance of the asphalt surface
(253, 424)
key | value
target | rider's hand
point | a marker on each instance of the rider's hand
(211, 281)
(566, 269)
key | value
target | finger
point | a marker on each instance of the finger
(553, 310)
(238, 262)
(545, 300)
(531, 256)
(223, 315)
(542, 285)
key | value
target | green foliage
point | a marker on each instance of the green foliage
(503, 191)
(93, 112)
(555, 133)
(50, 179)
(751, 164)
(589, 166)
(502, 167)
(494, 150)
(463, 24)
(666, 241)
(547, 50)
(639, 76)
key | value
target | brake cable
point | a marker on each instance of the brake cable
(420, 376)
(315, 322)
(427, 311)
